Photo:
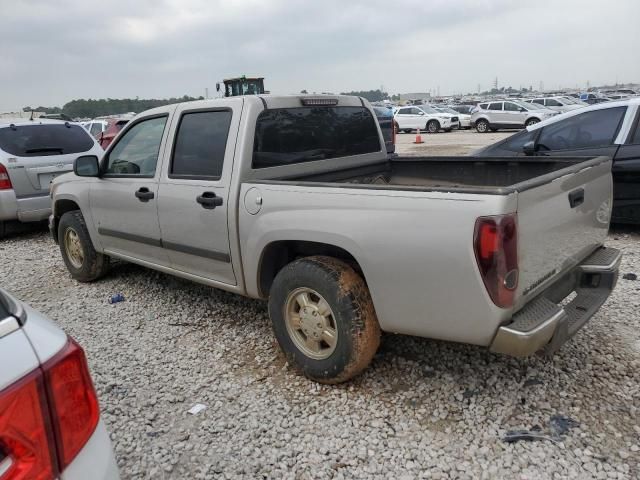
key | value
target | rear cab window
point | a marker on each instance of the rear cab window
(200, 144)
(44, 139)
(287, 136)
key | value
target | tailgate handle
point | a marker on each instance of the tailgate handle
(576, 197)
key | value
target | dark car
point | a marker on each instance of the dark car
(385, 119)
(611, 129)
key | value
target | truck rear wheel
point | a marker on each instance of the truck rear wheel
(84, 263)
(323, 319)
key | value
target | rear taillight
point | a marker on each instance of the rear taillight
(5, 181)
(47, 417)
(25, 440)
(73, 401)
(496, 248)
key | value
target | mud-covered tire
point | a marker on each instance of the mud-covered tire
(352, 311)
(94, 264)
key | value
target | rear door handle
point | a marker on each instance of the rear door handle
(144, 195)
(209, 200)
(576, 198)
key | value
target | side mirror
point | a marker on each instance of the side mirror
(421, 112)
(522, 109)
(529, 148)
(86, 166)
(217, 87)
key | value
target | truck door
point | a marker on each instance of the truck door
(194, 191)
(124, 201)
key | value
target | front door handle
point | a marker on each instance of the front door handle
(209, 200)
(144, 195)
(576, 198)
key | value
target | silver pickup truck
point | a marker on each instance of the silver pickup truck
(293, 199)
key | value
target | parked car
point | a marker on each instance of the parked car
(50, 423)
(492, 116)
(425, 118)
(593, 98)
(113, 127)
(32, 154)
(385, 120)
(464, 120)
(295, 200)
(558, 104)
(611, 129)
(466, 109)
(95, 127)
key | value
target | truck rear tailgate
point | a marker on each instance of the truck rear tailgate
(560, 222)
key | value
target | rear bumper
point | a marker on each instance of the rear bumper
(544, 323)
(32, 208)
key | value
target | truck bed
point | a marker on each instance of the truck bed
(497, 176)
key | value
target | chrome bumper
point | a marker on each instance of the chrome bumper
(543, 323)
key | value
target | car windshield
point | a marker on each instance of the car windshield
(428, 109)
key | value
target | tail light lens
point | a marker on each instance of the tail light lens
(25, 441)
(73, 401)
(496, 249)
(47, 417)
(5, 181)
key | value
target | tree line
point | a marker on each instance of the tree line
(91, 108)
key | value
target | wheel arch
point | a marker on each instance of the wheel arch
(277, 254)
(60, 207)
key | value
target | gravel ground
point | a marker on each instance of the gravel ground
(424, 409)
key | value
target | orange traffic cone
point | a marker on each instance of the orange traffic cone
(418, 137)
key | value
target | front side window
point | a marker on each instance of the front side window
(495, 106)
(286, 136)
(511, 107)
(539, 101)
(551, 102)
(39, 140)
(597, 128)
(200, 144)
(516, 142)
(136, 153)
(404, 111)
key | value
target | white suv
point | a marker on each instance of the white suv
(491, 116)
(425, 118)
(50, 423)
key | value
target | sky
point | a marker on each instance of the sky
(53, 51)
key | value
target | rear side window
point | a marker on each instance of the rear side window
(96, 128)
(516, 142)
(483, 106)
(587, 130)
(635, 139)
(495, 106)
(404, 111)
(42, 140)
(200, 144)
(539, 101)
(553, 103)
(294, 135)
(511, 107)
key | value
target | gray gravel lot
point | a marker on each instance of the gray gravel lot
(424, 409)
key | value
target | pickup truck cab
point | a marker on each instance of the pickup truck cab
(293, 199)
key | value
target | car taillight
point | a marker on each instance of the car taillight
(47, 417)
(496, 248)
(73, 401)
(25, 440)
(5, 181)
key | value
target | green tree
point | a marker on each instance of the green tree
(371, 95)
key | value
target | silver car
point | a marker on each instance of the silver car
(491, 116)
(558, 104)
(32, 154)
(50, 424)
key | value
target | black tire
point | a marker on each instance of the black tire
(482, 126)
(357, 330)
(432, 126)
(2, 229)
(531, 121)
(94, 264)
(407, 130)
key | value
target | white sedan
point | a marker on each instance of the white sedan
(50, 423)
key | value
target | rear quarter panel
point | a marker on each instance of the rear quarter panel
(415, 250)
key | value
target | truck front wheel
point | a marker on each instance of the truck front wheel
(323, 319)
(84, 263)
